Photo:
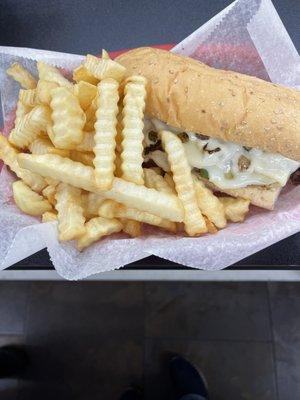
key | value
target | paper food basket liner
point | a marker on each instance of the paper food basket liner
(248, 36)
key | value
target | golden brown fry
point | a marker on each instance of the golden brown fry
(85, 92)
(30, 126)
(209, 204)
(156, 181)
(104, 68)
(96, 228)
(68, 119)
(43, 91)
(29, 201)
(49, 216)
(70, 212)
(235, 208)
(8, 154)
(85, 158)
(21, 75)
(111, 209)
(28, 97)
(43, 145)
(105, 128)
(193, 220)
(131, 227)
(81, 74)
(132, 134)
(150, 200)
(50, 73)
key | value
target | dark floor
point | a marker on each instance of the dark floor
(89, 340)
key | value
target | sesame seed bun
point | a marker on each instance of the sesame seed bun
(226, 105)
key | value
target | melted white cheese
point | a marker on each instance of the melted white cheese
(223, 165)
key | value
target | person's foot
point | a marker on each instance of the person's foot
(186, 379)
(131, 394)
(13, 361)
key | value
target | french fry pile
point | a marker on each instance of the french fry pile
(77, 151)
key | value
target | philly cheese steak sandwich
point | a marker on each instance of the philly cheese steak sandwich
(241, 134)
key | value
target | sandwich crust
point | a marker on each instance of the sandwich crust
(226, 105)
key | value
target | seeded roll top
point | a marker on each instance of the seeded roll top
(226, 105)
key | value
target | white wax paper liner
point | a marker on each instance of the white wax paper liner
(247, 36)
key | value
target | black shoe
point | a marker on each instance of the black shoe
(186, 379)
(131, 394)
(13, 361)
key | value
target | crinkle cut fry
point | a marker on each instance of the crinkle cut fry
(28, 201)
(70, 212)
(104, 68)
(22, 76)
(68, 119)
(150, 200)
(30, 126)
(49, 193)
(8, 154)
(43, 145)
(105, 127)
(81, 74)
(132, 133)
(43, 91)
(85, 92)
(182, 176)
(96, 228)
(50, 73)
(209, 204)
(60, 169)
(111, 209)
(21, 111)
(28, 97)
